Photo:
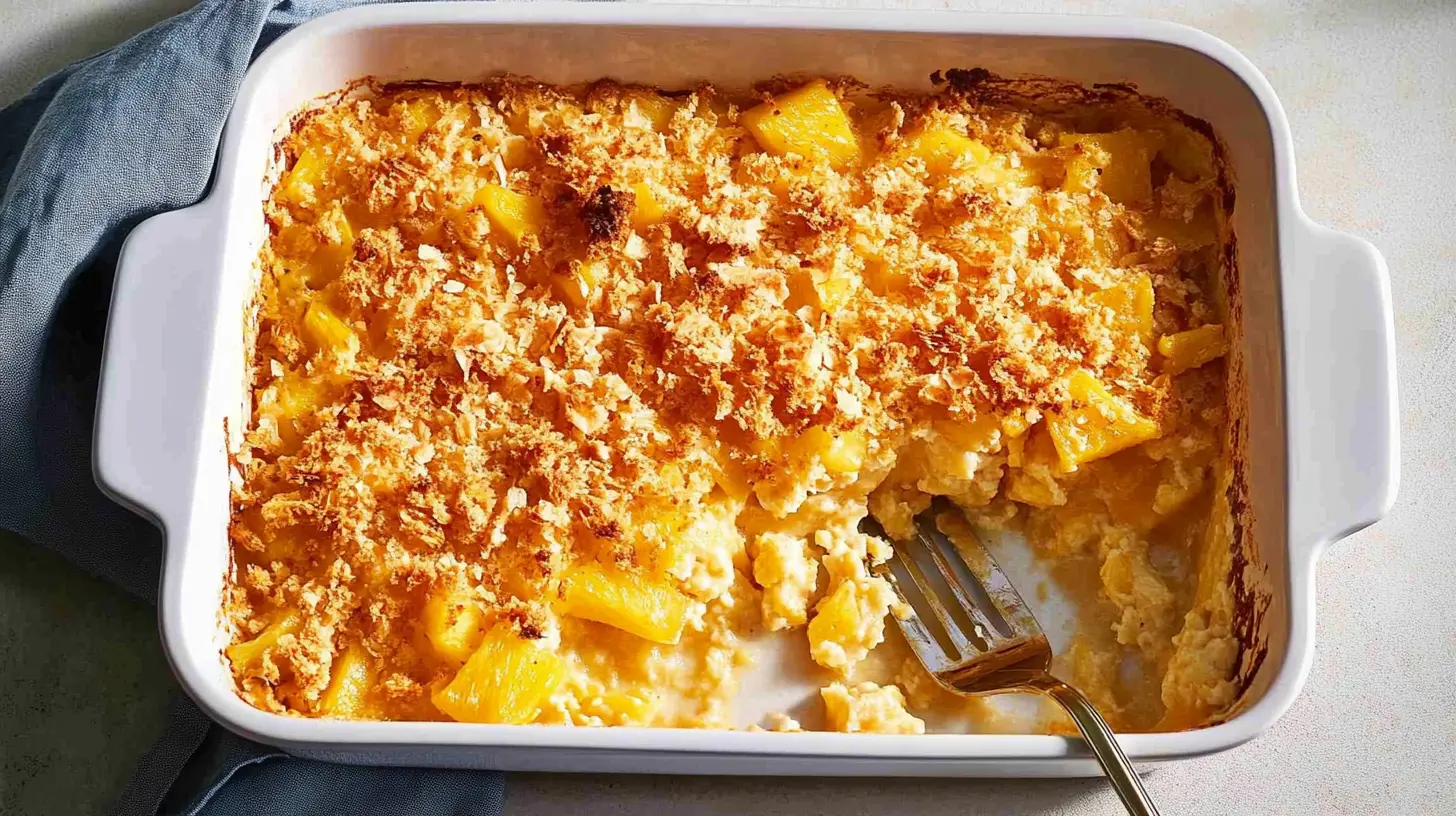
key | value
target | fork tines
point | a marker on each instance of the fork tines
(978, 627)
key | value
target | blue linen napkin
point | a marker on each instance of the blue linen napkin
(89, 153)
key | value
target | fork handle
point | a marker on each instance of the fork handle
(1103, 743)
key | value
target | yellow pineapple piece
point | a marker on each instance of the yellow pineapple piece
(515, 214)
(310, 172)
(731, 475)
(645, 607)
(842, 452)
(336, 250)
(850, 622)
(835, 620)
(808, 121)
(1015, 424)
(505, 681)
(1132, 302)
(454, 623)
(315, 254)
(629, 709)
(416, 116)
(1033, 460)
(299, 395)
(647, 209)
(836, 290)
(578, 285)
(941, 148)
(296, 396)
(657, 108)
(1118, 163)
(327, 331)
(1190, 349)
(978, 434)
(802, 291)
(249, 654)
(828, 289)
(350, 681)
(516, 152)
(1098, 424)
(884, 278)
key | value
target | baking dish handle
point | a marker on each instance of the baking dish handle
(1343, 421)
(155, 364)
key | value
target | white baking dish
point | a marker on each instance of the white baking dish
(1317, 344)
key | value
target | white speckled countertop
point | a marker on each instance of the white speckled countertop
(1370, 89)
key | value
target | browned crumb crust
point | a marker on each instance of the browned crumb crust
(487, 429)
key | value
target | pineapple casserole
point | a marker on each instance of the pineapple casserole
(567, 401)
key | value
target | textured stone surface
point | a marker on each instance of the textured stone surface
(84, 687)
(1370, 89)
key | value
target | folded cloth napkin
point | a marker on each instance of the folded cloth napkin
(86, 155)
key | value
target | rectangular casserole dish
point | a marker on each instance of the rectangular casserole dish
(1316, 348)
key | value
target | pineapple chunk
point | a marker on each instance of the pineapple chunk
(296, 396)
(505, 681)
(515, 214)
(1190, 349)
(246, 656)
(629, 709)
(315, 254)
(850, 622)
(842, 452)
(808, 121)
(416, 116)
(349, 684)
(1119, 164)
(1032, 479)
(646, 608)
(836, 290)
(1100, 424)
(311, 171)
(454, 622)
(299, 395)
(577, 286)
(884, 278)
(326, 331)
(942, 149)
(828, 290)
(336, 251)
(1132, 303)
(802, 291)
(647, 209)
(657, 108)
(731, 475)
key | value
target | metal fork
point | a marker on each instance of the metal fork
(994, 644)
